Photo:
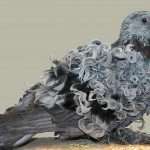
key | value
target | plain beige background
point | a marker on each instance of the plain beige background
(33, 30)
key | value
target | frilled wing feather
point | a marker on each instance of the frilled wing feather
(94, 90)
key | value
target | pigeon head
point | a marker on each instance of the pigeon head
(135, 29)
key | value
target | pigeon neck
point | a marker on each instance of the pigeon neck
(139, 47)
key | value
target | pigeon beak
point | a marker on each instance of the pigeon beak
(146, 51)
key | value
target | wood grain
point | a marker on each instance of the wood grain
(51, 144)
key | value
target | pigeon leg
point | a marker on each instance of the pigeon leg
(128, 136)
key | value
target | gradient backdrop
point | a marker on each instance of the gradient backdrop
(33, 30)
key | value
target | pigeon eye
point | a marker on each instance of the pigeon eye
(144, 20)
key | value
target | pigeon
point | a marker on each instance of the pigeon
(97, 90)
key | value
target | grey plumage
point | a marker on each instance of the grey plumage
(135, 29)
(98, 89)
